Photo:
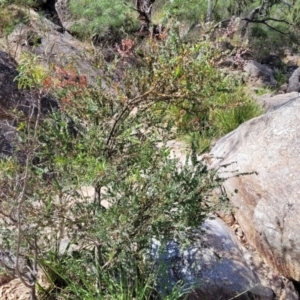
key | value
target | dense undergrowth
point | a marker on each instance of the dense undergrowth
(112, 136)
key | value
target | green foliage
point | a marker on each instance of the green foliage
(31, 73)
(192, 11)
(25, 3)
(293, 15)
(10, 17)
(84, 143)
(263, 40)
(105, 18)
(229, 119)
(114, 138)
(75, 276)
(200, 141)
(281, 31)
(281, 77)
(196, 94)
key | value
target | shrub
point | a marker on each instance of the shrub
(112, 138)
(93, 139)
(23, 3)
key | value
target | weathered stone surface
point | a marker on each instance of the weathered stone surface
(267, 203)
(269, 102)
(292, 60)
(53, 46)
(283, 88)
(213, 265)
(64, 14)
(294, 82)
(260, 75)
(268, 276)
(14, 290)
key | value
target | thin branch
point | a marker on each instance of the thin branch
(106, 265)
(5, 265)
(265, 20)
(9, 216)
(251, 16)
(275, 29)
(19, 227)
(277, 20)
(265, 23)
(134, 101)
(115, 124)
(32, 278)
(139, 98)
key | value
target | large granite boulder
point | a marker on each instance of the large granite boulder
(213, 266)
(269, 102)
(267, 202)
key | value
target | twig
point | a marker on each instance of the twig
(139, 98)
(243, 292)
(32, 278)
(265, 22)
(134, 101)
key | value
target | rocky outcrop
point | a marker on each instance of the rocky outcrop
(291, 60)
(269, 102)
(267, 202)
(52, 44)
(12, 98)
(10, 95)
(294, 82)
(260, 75)
(14, 290)
(64, 14)
(213, 266)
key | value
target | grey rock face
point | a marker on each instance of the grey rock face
(54, 47)
(213, 266)
(13, 98)
(294, 82)
(269, 102)
(267, 202)
(260, 74)
(64, 14)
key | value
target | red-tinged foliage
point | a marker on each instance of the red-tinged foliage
(125, 49)
(67, 80)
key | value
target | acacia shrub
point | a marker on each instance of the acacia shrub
(112, 137)
(189, 91)
(91, 140)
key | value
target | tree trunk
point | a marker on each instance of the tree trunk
(144, 8)
(209, 11)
